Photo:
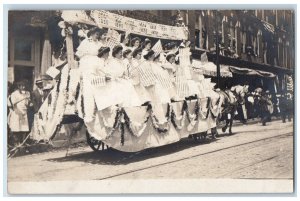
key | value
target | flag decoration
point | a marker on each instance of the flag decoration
(184, 56)
(113, 38)
(98, 81)
(181, 87)
(164, 79)
(157, 48)
(289, 84)
(147, 77)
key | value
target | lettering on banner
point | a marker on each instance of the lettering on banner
(104, 21)
(119, 24)
(152, 26)
(130, 25)
(172, 32)
(114, 21)
(163, 28)
(154, 33)
(143, 30)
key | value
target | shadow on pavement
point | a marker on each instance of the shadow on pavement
(114, 157)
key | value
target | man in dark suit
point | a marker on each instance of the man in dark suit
(38, 95)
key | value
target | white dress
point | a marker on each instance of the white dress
(119, 89)
(88, 62)
(87, 52)
(171, 69)
(163, 83)
(135, 79)
(148, 80)
(17, 118)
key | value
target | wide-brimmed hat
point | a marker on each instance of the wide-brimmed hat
(38, 81)
(149, 54)
(48, 86)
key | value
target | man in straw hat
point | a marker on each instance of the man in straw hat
(38, 95)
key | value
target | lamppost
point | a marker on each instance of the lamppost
(217, 36)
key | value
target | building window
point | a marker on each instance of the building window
(24, 58)
(24, 49)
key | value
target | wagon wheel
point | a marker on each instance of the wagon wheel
(204, 135)
(196, 137)
(200, 137)
(94, 143)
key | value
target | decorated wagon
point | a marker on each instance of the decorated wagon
(123, 128)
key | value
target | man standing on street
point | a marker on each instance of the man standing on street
(264, 104)
(38, 95)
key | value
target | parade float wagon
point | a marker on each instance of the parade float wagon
(125, 129)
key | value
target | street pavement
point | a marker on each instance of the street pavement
(252, 152)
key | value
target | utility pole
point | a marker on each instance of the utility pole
(217, 48)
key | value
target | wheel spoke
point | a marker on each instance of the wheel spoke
(98, 145)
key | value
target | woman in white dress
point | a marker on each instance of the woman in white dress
(146, 47)
(171, 68)
(124, 41)
(121, 86)
(170, 65)
(88, 50)
(135, 43)
(127, 60)
(163, 82)
(149, 80)
(135, 76)
(184, 70)
(19, 102)
(103, 82)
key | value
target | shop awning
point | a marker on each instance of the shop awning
(247, 71)
(210, 69)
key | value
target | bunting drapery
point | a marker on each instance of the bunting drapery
(247, 71)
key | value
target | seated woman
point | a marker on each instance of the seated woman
(121, 86)
(163, 82)
(135, 43)
(184, 70)
(135, 77)
(146, 47)
(127, 61)
(149, 79)
(124, 42)
(171, 68)
(92, 92)
(170, 65)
